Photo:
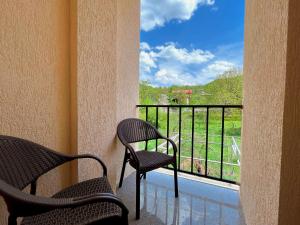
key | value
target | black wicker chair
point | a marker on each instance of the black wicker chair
(90, 202)
(135, 130)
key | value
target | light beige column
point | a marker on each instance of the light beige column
(107, 79)
(128, 43)
(270, 149)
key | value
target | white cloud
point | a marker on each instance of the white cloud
(155, 13)
(168, 62)
(213, 70)
(218, 68)
(170, 65)
(166, 77)
(144, 46)
(182, 55)
(147, 62)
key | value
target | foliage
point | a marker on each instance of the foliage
(226, 89)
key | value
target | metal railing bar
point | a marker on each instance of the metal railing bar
(168, 127)
(179, 144)
(193, 130)
(206, 140)
(195, 106)
(156, 125)
(222, 142)
(147, 108)
(146, 147)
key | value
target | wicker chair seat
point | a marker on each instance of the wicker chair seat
(87, 214)
(152, 160)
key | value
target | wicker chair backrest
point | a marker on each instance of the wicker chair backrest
(22, 161)
(135, 130)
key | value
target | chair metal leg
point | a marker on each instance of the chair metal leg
(12, 220)
(125, 219)
(33, 187)
(123, 170)
(175, 179)
(138, 179)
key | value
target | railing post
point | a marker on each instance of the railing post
(206, 140)
(193, 130)
(179, 143)
(156, 125)
(168, 127)
(146, 147)
(222, 143)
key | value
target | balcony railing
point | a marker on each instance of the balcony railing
(207, 136)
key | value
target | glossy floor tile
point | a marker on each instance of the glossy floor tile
(198, 203)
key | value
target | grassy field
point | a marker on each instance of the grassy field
(232, 130)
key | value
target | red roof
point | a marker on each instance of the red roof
(188, 92)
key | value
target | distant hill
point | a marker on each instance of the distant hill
(226, 89)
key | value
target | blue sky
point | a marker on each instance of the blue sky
(189, 42)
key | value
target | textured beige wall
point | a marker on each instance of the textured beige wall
(34, 81)
(65, 66)
(271, 89)
(107, 65)
(289, 203)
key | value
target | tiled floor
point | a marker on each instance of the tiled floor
(198, 203)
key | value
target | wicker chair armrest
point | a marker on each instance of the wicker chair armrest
(22, 204)
(172, 143)
(133, 154)
(160, 136)
(89, 156)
